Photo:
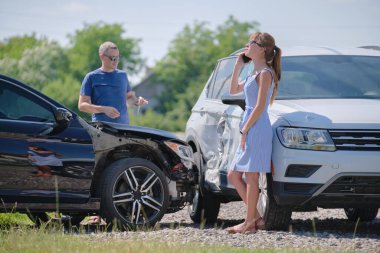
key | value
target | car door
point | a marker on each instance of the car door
(37, 160)
(213, 121)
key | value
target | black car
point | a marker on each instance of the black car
(53, 160)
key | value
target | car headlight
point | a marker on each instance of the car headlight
(183, 151)
(305, 138)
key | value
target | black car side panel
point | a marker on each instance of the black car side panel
(34, 164)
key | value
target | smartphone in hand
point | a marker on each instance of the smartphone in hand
(246, 58)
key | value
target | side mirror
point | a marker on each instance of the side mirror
(62, 117)
(235, 99)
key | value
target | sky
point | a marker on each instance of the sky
(334, 23)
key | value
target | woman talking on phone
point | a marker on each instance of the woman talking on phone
(253, 156)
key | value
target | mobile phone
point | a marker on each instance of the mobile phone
(246, 58)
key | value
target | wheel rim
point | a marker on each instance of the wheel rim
(263, 201)
(138, 195)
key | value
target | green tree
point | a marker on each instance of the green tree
(84, 48)
(14, 47)
(38, 65)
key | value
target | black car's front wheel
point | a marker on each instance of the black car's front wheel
(134, 193)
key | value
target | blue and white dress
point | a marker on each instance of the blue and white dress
(258, 148)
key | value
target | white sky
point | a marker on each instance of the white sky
(347, 23)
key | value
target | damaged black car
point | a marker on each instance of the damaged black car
(52, 160)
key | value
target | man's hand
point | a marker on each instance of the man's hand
(111, 112)
(141, 101)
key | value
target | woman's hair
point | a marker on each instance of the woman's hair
(272, 57)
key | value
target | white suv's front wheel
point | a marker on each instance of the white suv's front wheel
(276, 217)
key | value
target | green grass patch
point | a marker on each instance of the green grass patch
(14, 219)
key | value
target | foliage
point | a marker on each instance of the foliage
(37, 66)
(65, 91)
(15, 46)
(84, 49)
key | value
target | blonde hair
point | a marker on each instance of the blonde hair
(103, 49)
(272, 57)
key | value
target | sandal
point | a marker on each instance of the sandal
(234, 229)
(94, 220)
(260, 223)
(249, 228)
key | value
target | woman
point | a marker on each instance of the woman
(254, 153)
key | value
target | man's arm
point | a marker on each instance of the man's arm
(85, 105)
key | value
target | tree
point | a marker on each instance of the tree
(37, 66)
(84, 49)
(14, 47)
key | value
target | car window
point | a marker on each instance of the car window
(324, 76)
(17, 104)
(223, 77)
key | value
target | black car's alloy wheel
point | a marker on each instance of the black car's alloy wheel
(135, 193)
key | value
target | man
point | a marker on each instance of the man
(105, 91)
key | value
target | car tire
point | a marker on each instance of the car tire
(41, 217)
(276, 217)
(134, 194)
(363, 214)
(205, 206)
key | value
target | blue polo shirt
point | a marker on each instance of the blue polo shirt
(108, 89)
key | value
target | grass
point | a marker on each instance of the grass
(18, 235)
(30, 240)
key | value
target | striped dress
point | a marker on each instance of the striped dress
(258, 149)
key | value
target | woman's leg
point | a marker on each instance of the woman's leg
(236, 178)
(252, 196)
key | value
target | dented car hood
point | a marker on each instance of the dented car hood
(138, 130)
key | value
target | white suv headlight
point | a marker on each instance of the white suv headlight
(184, 152)
(305, 138)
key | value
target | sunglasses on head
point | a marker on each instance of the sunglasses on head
(112, 58)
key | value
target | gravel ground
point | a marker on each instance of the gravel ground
(333, 232)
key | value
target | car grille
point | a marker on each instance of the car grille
(366, 140)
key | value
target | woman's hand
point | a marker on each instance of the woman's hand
(239, 60)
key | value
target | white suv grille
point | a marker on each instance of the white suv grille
(366, 140)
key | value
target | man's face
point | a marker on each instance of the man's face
(110, 58)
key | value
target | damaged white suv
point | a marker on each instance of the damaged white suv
(326, 145)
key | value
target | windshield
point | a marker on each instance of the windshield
(329, 77)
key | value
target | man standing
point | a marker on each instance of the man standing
(105, 91)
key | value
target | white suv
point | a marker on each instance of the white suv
(326, 145)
